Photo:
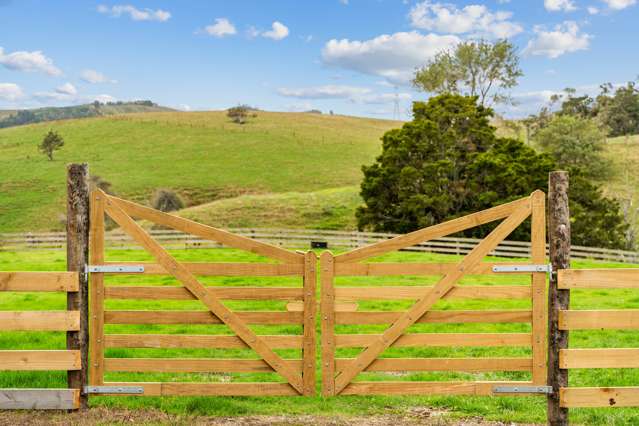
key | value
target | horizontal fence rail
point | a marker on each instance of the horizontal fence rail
(302, 238)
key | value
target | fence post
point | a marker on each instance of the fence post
(77, 259)
(559, 239)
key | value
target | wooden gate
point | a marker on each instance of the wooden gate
(338, 310)
(298, 374)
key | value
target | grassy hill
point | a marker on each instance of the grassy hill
(200, 154)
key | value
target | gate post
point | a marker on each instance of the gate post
(77, 259)
(559, 238)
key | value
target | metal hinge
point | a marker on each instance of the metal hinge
(523, 389)
(523, 268)
(131, 390)
(114, 269)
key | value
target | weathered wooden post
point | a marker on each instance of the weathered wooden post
(77, 259)
(559, 238)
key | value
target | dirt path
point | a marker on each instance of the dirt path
(104, 416)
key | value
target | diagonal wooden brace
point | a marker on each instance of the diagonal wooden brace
(422, 306)
(200, 292)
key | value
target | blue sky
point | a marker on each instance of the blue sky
(350, 56)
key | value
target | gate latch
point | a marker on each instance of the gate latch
(125, 390)
(523, 389)
(114, 269)
(523, 268)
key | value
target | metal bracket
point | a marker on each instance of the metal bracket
(523, 389)
(130, 390)
(115, 269)
(523, 268)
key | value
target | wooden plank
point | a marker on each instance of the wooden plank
(416, 292)
(166, 341)
(449, 317)
(599, 358)
(230, 318)
(599, 278)
(590, 320)
(559, 249)
(181, 293)
(39, 281)
(339, 307)
(379, 268)
(588, 397)
(538, 286)
(444, 364)
(207, 232)
(327, 304)
(425, 388)
(211, 389)
(39, 360)
(310, 312)
(200, 317)
(39, 320)
(96, 291)
(432, 232)
(194, 365)
(422, 306)
(225, 269)
(39, 399)
(438, 339)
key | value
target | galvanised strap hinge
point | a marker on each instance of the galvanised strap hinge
(129, 390)
(523, 389)
(523, 268)
(115, 269)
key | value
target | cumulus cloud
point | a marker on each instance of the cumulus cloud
(103, 98)
(67, 89)
(620, 4)
(221, 28)
(560, 5)
(10, 92)
(25, 61)
(472, 19)
(135, 14)
(278, 31)
(95, 77)
(564, 38)
(394, 57)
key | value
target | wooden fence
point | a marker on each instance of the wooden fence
(38, 360)
(302, 238)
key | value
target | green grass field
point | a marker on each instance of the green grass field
(522, 409)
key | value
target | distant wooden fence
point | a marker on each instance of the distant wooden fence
(302, 238)
(39, 360)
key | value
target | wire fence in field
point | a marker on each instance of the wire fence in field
(302, 238)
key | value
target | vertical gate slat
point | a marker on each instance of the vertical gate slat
(310, 310)
(327, 268)
(538, 282)
(96, 348)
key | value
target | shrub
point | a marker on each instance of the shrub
(52, 142)
(166, 200)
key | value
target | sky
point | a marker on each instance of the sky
(354, 57)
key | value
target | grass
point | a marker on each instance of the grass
(200, 154)
(507, 409)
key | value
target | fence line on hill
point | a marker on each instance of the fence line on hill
(302, 238)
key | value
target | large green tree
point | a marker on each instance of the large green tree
(448, 162)
(474, 68)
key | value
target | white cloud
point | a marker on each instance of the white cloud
(324, 92)
(103, 98)
(592, 10)
(394, 57)
(472, 19)
(95, 77)
(620, 4)
(222, 27)
(29, 62)
(565, 38)
(158, 15)
(560, 5)
(67, 89)
(278, 31)
(10, 92)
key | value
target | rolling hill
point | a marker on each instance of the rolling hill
(202, 155)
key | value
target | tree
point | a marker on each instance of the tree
(579, 106)
(51, 142)
(620, 112)
(475, 68)
(447, 163)
(241, 113)
(576, 144)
